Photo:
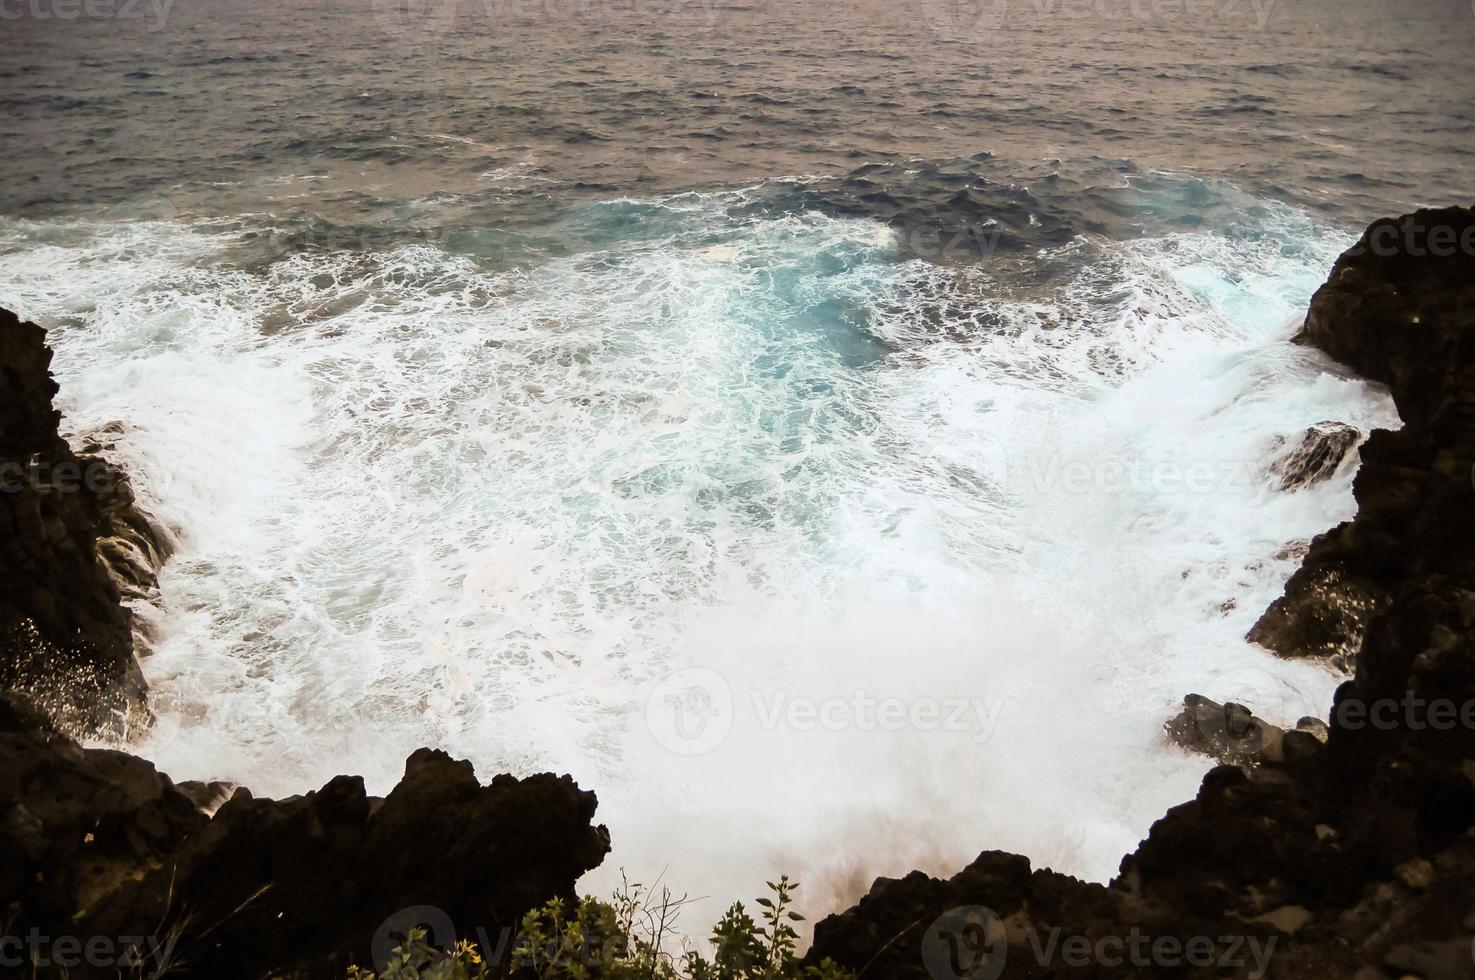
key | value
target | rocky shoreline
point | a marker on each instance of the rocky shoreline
(1341, 848)
(73, 543)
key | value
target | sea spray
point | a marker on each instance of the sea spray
(564, 515)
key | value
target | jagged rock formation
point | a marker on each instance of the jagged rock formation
(1396, 308)
(1232, 734)
(1355, 858)
(1323, 448)
(75, 824)
(70, 534)
(96, 843)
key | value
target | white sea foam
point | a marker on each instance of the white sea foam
(423, 503)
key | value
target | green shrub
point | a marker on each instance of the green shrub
(624, 939)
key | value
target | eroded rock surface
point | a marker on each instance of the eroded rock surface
(1230, 733)
(70, 533)
(1396, 308)
(1320, 453)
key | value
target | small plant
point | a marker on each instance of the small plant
(745, 950)
(415, 959)
(624, 939)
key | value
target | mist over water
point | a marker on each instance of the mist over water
(836, 483)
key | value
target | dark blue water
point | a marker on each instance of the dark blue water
(352, 110)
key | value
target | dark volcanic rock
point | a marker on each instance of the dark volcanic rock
(76, 824)
(1319, 454)
(1355, 858)
(1398, 309)
(208, 796)
(69, 535)
(95, 843)
(1232, 734)
(336, 864)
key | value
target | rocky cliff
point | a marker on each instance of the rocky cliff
(71, 539)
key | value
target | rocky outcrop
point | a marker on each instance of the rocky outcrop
(70, 534)
(75, 825)
(1320, 453)
(98, 845)
(1396, 309)
(1353, 858)
(1231, 733)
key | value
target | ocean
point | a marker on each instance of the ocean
(838, 434)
